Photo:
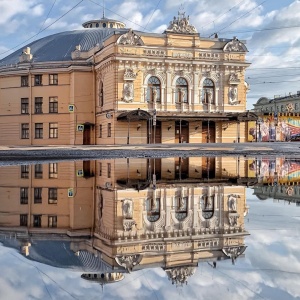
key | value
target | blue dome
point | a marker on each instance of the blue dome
(59, 46)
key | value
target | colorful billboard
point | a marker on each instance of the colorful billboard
(271, 129)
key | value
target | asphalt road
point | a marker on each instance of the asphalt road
(51, 153)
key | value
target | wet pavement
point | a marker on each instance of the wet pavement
(34, 153)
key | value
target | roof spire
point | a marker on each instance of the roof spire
(103, 6)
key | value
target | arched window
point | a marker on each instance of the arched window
(101, 96)
(181, 208)
(153, 209)
(153, 90)
(207, 205)
(208, 92)
(181, 94)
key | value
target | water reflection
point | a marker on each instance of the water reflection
(108, 218)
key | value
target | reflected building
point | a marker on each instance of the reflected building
(118, 216)
(278, 178)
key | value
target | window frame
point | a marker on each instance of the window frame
(23, 195)
(108, 170)
(153, 84)
(53, 220)
(52, 196)
(38, 171)
(108, 129)
(53, 79)
(24, 106)
(37, 195)
(53, 105)
(38, 80)
(53, 170)
(38, 105)
(25, 171)
(24, 81)
(208, 85)
(37, 221)
(38, 130)
(24, 131)
(24, 217)
(53, 130)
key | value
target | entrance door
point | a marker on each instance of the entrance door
(158, 132)
(87, 135)
(208, 132)
(181, 132)
(181, 167)
(208, 167)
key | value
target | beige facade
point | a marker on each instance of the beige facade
(137, 213)
(125, 87)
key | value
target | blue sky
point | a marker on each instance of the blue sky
(273, 53)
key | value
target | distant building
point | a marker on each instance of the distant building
(107, 84)
(278, 119)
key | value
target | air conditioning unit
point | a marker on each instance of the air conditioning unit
(108, 185)
(108, 115)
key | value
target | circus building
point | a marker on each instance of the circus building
(126, 216)
(108, 84)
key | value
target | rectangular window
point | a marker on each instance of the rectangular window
(53, 105)
(23, 220)
(24, 105)
(53, 170)
(109, 130)
(52, 221)
(38, 171)
(100, 169)
(53, 79)
(52, 195)
(25, 171)
(108, 170)
(38, 105)
(24, 195)
(37, 195)
(25, 131)
(38, 79)
(53, 130)
(24, 80)
(37, 220)
(100, 131)
(38, 130)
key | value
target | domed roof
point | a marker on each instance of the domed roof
(263, 100)
(59, 46)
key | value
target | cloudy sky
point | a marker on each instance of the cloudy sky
(271, 28)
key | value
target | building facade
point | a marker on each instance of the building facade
(278, 119)
(107, 84)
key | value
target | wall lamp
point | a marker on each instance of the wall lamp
(169, 127)
(197, 127)
(138, 127)
(225, 126)
(169, 171)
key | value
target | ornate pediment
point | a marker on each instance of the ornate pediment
(235, 46)
(130, 38)
(179, 275)
(181, 24)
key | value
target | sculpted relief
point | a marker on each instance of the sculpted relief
(181, 24)
(233, 95)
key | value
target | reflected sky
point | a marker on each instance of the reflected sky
(269, 268)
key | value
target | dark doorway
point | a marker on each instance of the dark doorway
(181, 167)
(181, 132)
(157, 132)
(87, 135)
(208, 132)
(208, 167)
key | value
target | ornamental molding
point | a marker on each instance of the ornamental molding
(181, 24)
(234, 78)
(128, 92)
(154, 52)
(182, 55)
(127, 208)
(179, 275)
(235, 46)
(130, 38)
(154, 247)
(128, 225)
(232, 202)
(129, 74)
(128, 261)
(209, 56)
(290, 107)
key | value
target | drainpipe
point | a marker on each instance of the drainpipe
(30, 107)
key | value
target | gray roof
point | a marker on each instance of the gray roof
(59, 46)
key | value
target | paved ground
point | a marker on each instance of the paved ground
(36, 153)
